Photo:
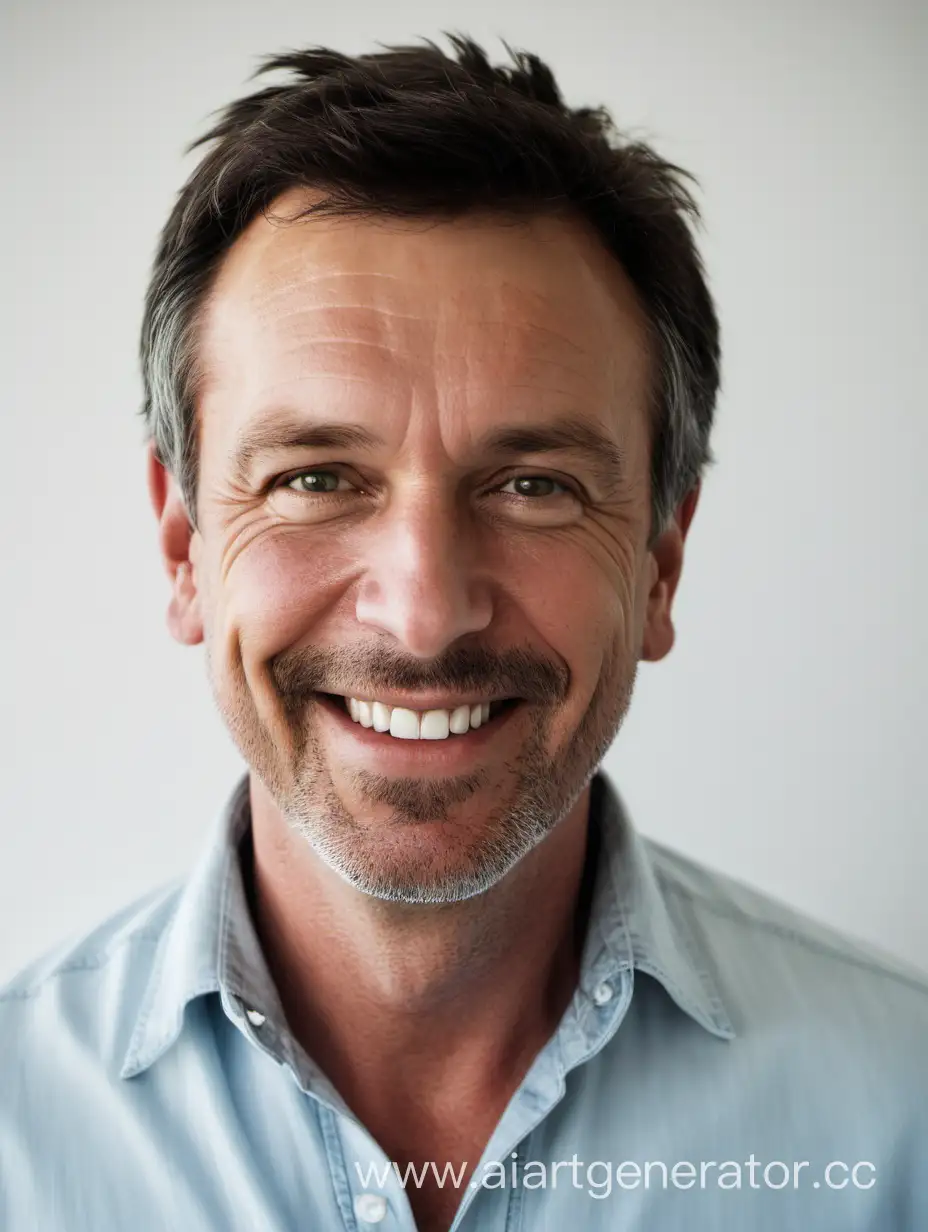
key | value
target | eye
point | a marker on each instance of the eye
(308, 482)
(524, 481)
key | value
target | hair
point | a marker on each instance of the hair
(413, 132)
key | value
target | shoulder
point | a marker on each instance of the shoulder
(775, 962)
(829, 1053)
(88, 984)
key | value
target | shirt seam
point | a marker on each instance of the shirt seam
(92, 963)
(729, 912)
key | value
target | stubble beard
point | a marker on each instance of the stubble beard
(385, 861)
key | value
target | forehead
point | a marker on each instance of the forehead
(472, 308)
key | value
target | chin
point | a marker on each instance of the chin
(428, 862)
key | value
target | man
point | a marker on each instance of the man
(430, 370)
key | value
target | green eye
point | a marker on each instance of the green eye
(303, 481)
(535, 479)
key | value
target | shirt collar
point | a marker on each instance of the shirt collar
(210, 944)
(640, 923)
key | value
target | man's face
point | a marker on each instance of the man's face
(422, 561)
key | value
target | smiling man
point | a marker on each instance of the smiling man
(430, 368)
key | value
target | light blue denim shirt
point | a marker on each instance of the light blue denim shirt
(725, 1063)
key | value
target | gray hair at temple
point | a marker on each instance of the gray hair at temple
(414, 132)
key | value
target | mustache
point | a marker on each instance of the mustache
(301, 671)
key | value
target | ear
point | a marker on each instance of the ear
(176, 537)
(666, 565)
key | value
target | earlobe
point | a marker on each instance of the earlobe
(185, 621)
(175, 535)
(666, 560)
(658, 634)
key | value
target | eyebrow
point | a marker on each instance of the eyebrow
(564, 434)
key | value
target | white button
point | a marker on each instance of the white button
(255, 1017)
(370, 1207)
(602, 993)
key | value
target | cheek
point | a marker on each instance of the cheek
(580, 601)
(275, 590)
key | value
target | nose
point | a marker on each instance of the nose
(423, 582)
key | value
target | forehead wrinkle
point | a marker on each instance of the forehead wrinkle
(320, 374)
(323, 275)
(442, 319)
(312, 355)
(525, 318)
(301, 272)
(304, 331)
(512, 365)
(309, 343)
(335, 306)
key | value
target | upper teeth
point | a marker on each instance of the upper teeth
(417, 725)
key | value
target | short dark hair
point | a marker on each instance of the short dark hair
(411, 131)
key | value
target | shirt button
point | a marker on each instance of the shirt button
(602, 993)
(370, 1207)
(255, 1017)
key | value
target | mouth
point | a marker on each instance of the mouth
(398, 726)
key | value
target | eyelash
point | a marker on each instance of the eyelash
(285, 480)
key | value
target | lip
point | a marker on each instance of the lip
(427, 701)
(415, 756)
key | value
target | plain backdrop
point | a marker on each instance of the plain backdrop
(782, 741)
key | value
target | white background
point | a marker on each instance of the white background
(782, 741)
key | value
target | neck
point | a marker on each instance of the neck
(460, 994)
